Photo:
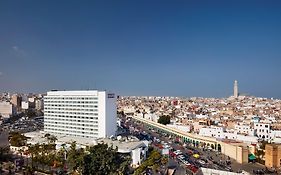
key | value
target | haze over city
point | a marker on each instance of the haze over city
(179, 48)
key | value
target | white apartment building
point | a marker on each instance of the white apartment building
(24, 104)
(90, 114)
(217, 132)
(263, 130)
(221, 133)
(245, 129)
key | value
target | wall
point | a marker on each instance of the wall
(111, 114)
(272, 155)
(237, 152)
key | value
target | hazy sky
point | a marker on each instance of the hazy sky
(181, 48)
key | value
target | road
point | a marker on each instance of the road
(214, 159)
(4, 139)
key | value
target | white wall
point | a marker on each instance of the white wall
(24, 105)
(111, 114)
(136, 156)
(6, 109)
(102, 114)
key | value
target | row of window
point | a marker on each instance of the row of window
(71, 98)
(66, 112)
(76, 135)
(71, 102)
(71, 127)
(67, 119)
(66, 116)
(266, 126)
(72, 124)
(69, 109)
(58, 130)
(262, 130)
(70, 105)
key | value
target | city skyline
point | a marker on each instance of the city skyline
(142, 48)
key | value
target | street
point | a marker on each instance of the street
(207, 157)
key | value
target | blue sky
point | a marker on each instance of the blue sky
(177, 48)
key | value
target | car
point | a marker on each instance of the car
(201, 162)
(177, 152)
(186, 163)
(180, 157)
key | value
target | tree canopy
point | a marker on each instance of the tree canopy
(154, 161)
(104, 160)
(165, 119)
(17, 139)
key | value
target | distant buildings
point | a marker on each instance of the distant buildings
(89, 114)
(24, 105)
(235, 89)
(39, 104)
(16, 101)
(6, 109)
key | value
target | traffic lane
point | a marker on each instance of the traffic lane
(141, 128)
(175, 146)
(205, 154)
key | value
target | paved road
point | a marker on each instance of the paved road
(4, 138)
(235, 166)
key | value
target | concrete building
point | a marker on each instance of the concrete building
(89, 114)
(25, 105)
(6, 109)
(135, 148)
(39, 104)
(263, 131)
(31, 102)
(16, 101)
(273, 155)
(244, 129)
(216, 132)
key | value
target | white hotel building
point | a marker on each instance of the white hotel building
(89, 114)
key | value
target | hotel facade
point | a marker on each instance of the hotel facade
(88, 114)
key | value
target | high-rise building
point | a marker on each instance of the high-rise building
(90, 114)
(39, 104)
(6, 109)
(235, 89)
(16, 101)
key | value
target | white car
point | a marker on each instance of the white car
(178, 152)
(186, 162)
(201, 161)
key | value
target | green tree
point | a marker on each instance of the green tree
(154, 161)
(103, 160)
(165, 119)
(17, 139)
(52, 139)
(75, 157)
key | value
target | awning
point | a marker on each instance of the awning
(252, 157)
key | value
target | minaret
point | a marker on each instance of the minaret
(235, 89)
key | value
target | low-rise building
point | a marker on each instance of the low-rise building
(263, 131)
